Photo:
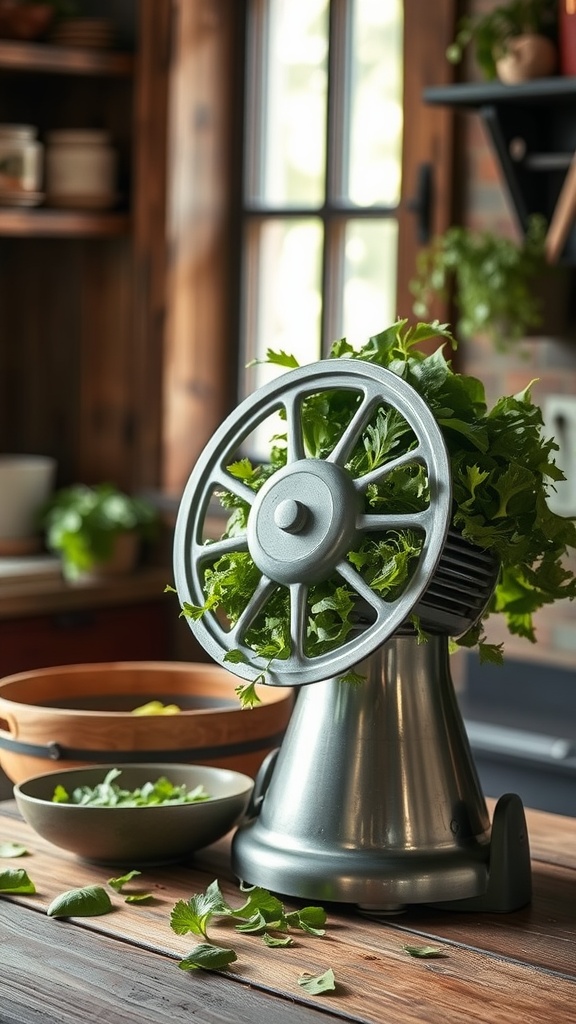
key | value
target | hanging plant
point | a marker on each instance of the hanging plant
(495, 281)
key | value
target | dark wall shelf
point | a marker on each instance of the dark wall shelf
(532, 127)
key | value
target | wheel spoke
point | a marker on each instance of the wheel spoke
(343, 449)
(402, 521)
(294, 436)
(263, 592)
(362, 588)
(407, 459)
(231, 483)
(215, 549)
(298, 613)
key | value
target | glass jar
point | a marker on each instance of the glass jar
(81, 169)
(21, 159)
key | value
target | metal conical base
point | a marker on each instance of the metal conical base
(374, 798)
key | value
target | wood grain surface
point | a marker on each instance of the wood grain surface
(498, 968)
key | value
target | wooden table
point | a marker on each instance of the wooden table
(121, 968)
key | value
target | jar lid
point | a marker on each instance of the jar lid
(78, 137)
(18, 131)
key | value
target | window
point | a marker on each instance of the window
(325, 171)
(308, 232)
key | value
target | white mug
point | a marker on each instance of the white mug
(26, 482)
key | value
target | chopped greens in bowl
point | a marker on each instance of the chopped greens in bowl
(109, 793)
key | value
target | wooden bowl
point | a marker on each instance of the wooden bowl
(76, 715)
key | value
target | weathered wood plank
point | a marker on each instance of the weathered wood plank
(498, 967)
(49, 978)
(552, 838)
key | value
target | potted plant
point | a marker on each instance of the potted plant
(502, 468)
(496, 280)
(512, 42)
(96, 529)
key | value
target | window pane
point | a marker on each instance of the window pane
(292, 104)
(369, 278)
(285, 287)
(376, 103)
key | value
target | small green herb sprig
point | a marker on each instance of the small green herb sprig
(261, 914)
(502, 470)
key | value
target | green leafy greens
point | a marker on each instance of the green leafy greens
(109, 794)
(502, 469)
(260, 914)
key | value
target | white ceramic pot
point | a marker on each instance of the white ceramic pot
(26, 482)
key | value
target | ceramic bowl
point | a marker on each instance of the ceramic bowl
(133, 836)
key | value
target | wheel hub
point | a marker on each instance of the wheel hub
(303, 521)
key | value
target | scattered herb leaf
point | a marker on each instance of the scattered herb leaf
(260, 914)
(139, 897)
(425, 952)
(316, 984)
(193, 915)
(208, 958)
(12, 850)
(277, 940)
(309, 919)
(119, 883)
(90, 901)
(16, 880)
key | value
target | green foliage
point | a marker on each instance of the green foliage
(502, 468)
(109, 793)
(261, 911)
(491, 32)
(82, 524)
(495, 280)
(261, 914)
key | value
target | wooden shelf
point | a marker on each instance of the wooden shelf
(44, 223)
(43, 57)
(532, 127)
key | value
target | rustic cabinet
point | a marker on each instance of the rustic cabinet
(115, 324)
(113, 332)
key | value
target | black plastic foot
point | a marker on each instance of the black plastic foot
(509, 873)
